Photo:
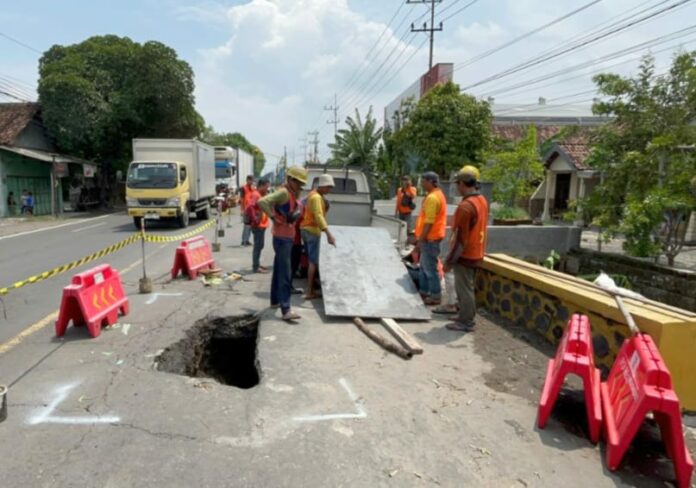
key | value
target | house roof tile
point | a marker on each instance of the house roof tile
(14, 117)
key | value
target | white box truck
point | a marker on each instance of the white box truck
(245, 167)
(169, 179)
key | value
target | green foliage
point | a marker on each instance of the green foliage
(96, 96)
(552, 260)
(358, 144)
(646, 188)
(503, 212)
(515, 170)
(447, 129)
(237, 141)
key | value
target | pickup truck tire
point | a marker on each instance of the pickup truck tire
(204, 213)
(183, 219)
(137, 222)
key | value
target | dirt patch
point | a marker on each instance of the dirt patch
(222, 348)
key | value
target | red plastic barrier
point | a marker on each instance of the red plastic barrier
(639, 382)
(94, 298)
(191, 256)
(575, 355)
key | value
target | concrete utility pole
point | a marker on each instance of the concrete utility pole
(333, 108)
(315, 143)
(303, 140)
(432, 29)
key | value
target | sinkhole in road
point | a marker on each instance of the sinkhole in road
(221, 348)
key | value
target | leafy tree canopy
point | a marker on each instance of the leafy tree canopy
(358, 143)
(646, 170)
(98, 95)
(448, 129)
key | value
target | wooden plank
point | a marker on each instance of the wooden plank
(404, 338)
(402, 352)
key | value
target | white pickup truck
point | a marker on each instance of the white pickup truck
(351, 202)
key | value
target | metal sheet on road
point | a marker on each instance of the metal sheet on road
(363, 276)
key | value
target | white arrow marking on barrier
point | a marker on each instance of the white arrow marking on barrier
(360, 412)
(155, 296)
(44, 416)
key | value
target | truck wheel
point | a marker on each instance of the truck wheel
(184, 219)
(204, 213)
(137, 222)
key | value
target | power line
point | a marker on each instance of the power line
(454, 14)
(609, 57)
(564, 50)
(524, 36)
(20, 43)
(333, 108)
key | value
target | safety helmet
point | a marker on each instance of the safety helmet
(468, 173)
(300, 174)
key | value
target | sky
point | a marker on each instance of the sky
(269, 68)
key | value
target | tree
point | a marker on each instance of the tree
(645, 190)
(515, 170)
(237, 141)
(96, 96)
(448, 129)
(358, 144)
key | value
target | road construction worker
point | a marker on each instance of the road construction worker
(245, 193)
(467, 245)
(406, 202)
(284, 209)
(258, 222)
(313, 224)
(430, 231)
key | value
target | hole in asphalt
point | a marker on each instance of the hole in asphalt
(222, 348)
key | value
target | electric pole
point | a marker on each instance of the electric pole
(315, 143)
(333, 108)
(432, 29)
(303, 140)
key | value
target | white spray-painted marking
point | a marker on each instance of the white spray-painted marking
(360, 412)
(45, 415)
(155, 296)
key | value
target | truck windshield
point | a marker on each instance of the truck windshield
(223, 171)
(152, 175)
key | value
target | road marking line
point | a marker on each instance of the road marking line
(50, 318)
(155, 296)
(56, 226)
(44, 416)
(16, 340)
(360, 412)
(89, 227)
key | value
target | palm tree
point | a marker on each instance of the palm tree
(358, 144)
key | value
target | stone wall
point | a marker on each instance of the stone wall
(660, 283)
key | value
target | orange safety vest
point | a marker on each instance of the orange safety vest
(478, 233)
(254, 202)
(438, 229)
(281, 227)
(404, 209)
(308, 219)
(248, 191)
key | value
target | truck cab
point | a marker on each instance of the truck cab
(157, 190)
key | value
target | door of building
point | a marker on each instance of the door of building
(562, 191)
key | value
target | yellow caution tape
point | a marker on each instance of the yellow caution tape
(100, 254)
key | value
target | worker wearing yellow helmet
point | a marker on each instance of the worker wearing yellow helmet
(284, 209)
(467, 245)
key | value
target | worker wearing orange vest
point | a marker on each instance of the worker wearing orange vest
(430, 231)
(467, 245)
(245, 193)
(406, 202)
(258, 222)
(284, 209)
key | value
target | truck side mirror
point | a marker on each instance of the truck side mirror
(182, 174)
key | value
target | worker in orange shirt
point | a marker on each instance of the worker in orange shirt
(430, 231)
(467, 245)
(258, 222)
(406, 202)
(245, 193)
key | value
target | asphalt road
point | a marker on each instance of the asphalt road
(24, 255)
